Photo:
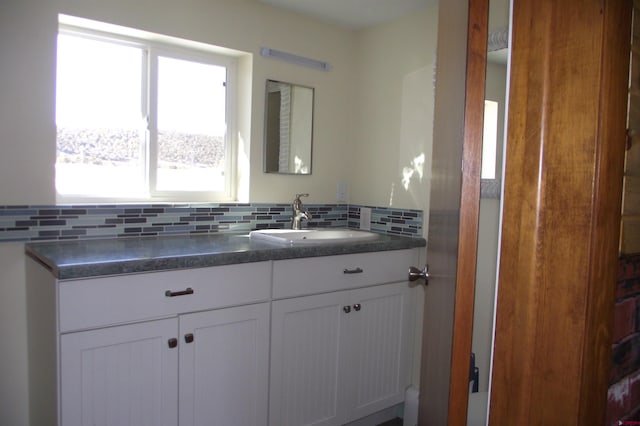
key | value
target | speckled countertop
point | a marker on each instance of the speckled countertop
(92, 258)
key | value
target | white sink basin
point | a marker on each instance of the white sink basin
(302, 237)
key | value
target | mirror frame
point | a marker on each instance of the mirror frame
(265, 156)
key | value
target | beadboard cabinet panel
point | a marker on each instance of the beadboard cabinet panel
(308, 339)
(224, 366)
(125, 376)
(379, 347)
(339, 356)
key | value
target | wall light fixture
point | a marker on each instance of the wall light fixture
(267, 52)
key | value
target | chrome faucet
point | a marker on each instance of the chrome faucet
(299, 212)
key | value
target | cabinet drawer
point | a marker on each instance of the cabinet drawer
(296, 277)
(112, 300)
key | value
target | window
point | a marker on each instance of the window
(489, 140)
(141, 120)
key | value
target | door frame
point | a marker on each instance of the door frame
(561, 217)
(477, 34)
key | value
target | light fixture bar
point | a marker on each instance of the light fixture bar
(267, 52)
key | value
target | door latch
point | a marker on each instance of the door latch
(416, 274)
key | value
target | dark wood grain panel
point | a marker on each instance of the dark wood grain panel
(562, 200)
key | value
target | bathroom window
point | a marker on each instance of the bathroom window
(142, 120)
(489, 140)
(491, 143)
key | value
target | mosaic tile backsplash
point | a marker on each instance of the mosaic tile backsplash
(35, 223)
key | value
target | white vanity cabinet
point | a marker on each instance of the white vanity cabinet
(318, 340)
(186, 347)
(337, 356)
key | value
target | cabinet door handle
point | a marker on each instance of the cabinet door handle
(184, 292)
(346, 309)
(357, 306)
(188, 337)
(173, 342)
(353, 271)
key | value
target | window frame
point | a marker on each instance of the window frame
(155, 46)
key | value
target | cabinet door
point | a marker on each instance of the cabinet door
(120, 376)
(307, 341)
(224, 369)
(378, 348)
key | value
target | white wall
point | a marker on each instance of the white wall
(13, 333)
(498, 15)
(394, 114)
(27, 132)
(374, 105)
(369, 160)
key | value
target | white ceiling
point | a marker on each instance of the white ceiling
(355, 14)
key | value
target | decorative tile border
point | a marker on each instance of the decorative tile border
(389, 220)
(35, 223)
(490, 188)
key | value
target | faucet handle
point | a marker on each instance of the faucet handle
(297, 202)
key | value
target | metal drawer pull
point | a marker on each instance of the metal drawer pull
(357, 307)
(170, 293)
(353, 271)
(173, 342)
(346, 309)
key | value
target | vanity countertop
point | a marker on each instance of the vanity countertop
(100, 257)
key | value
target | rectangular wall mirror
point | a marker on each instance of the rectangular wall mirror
(288, 130)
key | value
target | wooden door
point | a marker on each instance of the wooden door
(454, 209)
(565, 150)
(224, 366)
